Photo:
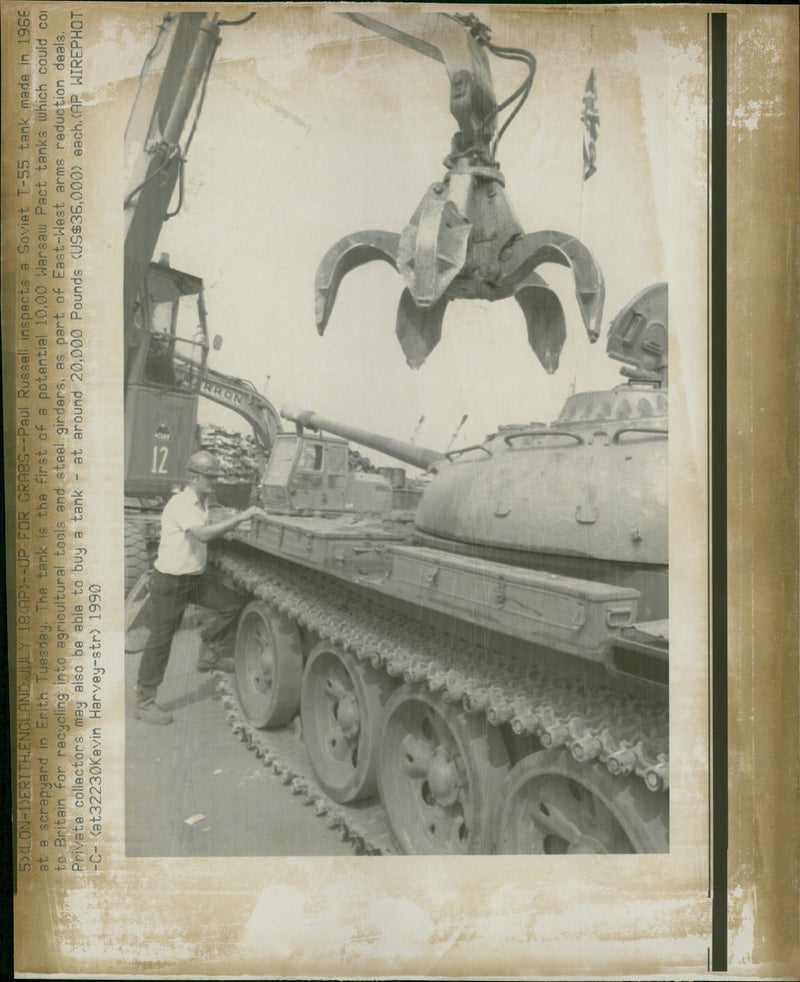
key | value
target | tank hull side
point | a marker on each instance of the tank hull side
(651, 582)
(575, 616)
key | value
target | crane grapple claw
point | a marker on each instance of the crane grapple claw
(464, 241)
(536, 248)
(544, 317)
(443, 255)
(347, 254)
(433, 247)
(418, 329)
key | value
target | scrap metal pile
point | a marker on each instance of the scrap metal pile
(240, 456)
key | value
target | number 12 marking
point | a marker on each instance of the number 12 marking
(159, 460)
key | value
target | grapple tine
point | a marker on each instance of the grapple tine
(536, 248)
(418, 329)
(544, 317)
(433, 247)
(348, 253)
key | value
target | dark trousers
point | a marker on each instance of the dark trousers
(169, 596)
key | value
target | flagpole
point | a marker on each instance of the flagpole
(589, 120)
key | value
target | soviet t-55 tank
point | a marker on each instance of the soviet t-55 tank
(493, 667)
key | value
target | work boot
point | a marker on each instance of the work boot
(147, 710)
(212, 657)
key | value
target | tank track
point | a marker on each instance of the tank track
(628, 733)
(361, 824)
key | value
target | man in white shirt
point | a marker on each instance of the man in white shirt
(180, 577)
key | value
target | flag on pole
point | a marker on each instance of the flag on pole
(590, 118)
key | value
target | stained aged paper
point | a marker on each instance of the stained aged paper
(312, 128)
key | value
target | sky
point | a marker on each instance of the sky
(314, 128)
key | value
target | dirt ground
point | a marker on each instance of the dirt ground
(193, 789)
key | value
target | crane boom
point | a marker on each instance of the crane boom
(173, 74)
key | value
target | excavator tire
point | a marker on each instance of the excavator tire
(137, 560)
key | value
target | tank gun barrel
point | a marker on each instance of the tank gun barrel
(409, 453)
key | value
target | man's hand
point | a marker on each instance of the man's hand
(205, 533)
(253, 512)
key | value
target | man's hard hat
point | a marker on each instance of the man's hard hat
(204, 463)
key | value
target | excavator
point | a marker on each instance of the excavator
(165, 328)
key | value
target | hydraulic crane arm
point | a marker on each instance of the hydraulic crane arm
(446, 39)
(243, 398)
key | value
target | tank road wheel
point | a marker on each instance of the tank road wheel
(137, 560)
(554, 804)
(342, 709)
(440, 774)
(269, 665)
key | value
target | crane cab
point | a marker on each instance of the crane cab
(310, 474)
(165, 365)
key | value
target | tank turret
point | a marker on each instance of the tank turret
(585, 495)
(593, 489)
